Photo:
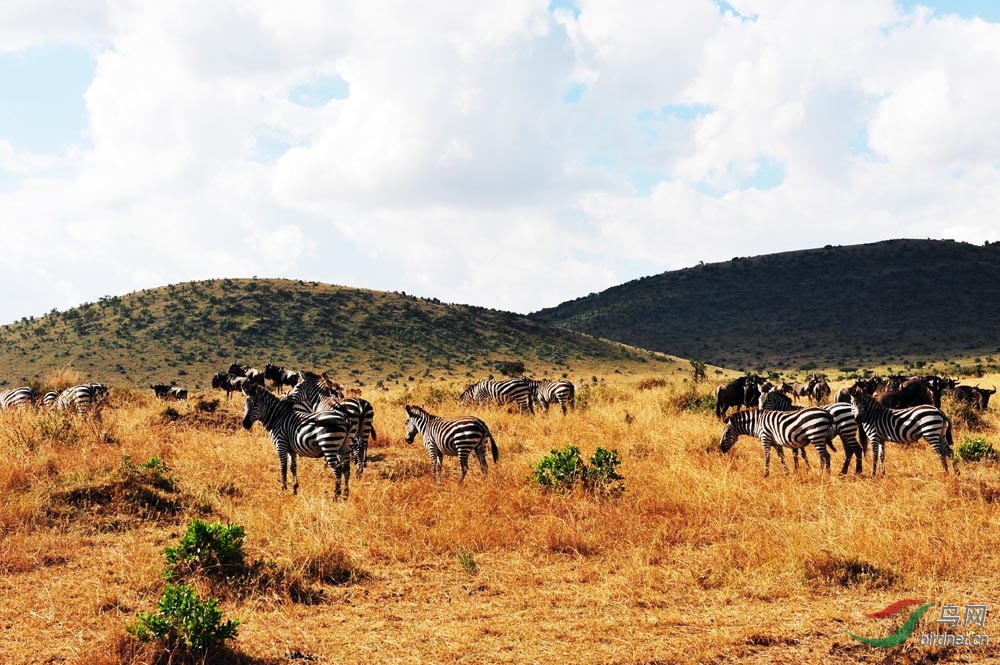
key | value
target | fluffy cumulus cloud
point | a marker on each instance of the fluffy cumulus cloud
(512, 155)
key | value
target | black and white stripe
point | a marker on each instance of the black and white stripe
(548, 392)
(844, 424)
(315, 392)
(325, 434)
(49, 399)
(795, 429)
(511, 391)
(82, 398)
(903, 426)
(458, 436)
(24, 396)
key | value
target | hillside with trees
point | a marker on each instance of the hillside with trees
(186, 332)
(896, 303)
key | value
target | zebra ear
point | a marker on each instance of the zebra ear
(248, 388)
(409, 410)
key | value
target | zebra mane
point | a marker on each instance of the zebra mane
(418, 411)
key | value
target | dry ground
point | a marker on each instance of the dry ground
(701, 560)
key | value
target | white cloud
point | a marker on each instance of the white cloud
(499, 154)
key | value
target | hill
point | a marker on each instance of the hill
(894, 303)
(184, 333)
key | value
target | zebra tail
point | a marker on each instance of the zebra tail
(372, 432)
(863, 440)
(947, 434)
(493, 448)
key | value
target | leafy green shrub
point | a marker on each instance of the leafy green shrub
(184, 622)
(207, 547)
(975, 448)
(564, 469)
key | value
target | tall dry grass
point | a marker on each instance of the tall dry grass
(700, 560)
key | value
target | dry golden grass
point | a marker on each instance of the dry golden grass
(701, 559)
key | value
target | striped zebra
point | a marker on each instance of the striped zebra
(795, 429)
(83, 398)
(314, 392)
(458, 436)
(909, 425)
(511, 391)
(49, 399)
(547, 392)
(325, 434)
(845, 426)
(17, 397)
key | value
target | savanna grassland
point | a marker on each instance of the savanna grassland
(701, 559)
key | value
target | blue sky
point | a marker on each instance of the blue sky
(513, 156)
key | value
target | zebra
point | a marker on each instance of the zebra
(515, 391)
(17, 397)
(546, 392)
(314, 392)
(82, 398)
(794, 429)
(909, 425)
(458, 436)
(49, 399)
(325, 434)
(845, 426)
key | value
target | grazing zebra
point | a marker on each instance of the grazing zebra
(909, 425)
(511, 391)
(82, 398)
(314, 392)
(458, 436)
(17, 397)
(49, 399)
(325, 434)
(547, 392)
(844, 424)
(794, 429)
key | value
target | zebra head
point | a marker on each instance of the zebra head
(729, 436)
(861, 405)
(253, 408)
(415, 416)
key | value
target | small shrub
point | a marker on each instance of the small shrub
(184, 623)
(467, 559)
(564, 469)
(211, 548)
(974, 449)
(649, 384)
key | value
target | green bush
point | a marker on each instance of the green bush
(207, 547)
(184, 622)
(975, 448)
(564, 469)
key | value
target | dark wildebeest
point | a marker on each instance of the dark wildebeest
(820, 392)
(161, 390)
(728, 395)
(978, 398)
(253, 376)
(281, 376)
(913, 392)
(229, 383)
(803, 389)
(178, 393)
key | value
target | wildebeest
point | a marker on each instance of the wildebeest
(978, 398)
(912, 392)
(254, 376)
(280, 376)
(820, 391)
(228, 382)
(728, 395)
(161, 390)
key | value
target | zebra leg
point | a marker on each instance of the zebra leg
(824, 456)
(481, 454)
(436, 463)
(781, 457)
(294, 463)
(463, 460)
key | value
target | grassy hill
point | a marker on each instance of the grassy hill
(184, 333)
(894, 303)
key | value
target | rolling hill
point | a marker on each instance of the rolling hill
(893, 303)
(184, 333)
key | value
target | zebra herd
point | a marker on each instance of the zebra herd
(315, 420)
(778, 423)
(82, 398)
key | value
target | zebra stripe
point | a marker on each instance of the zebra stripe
(324, 434)
(903, 426)
(844, 425)
(547, 392)
(82, 398)
(459, 436)
(511, 391)
(795, 429)
(17, 397)
(315, 392)
(49, 399)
